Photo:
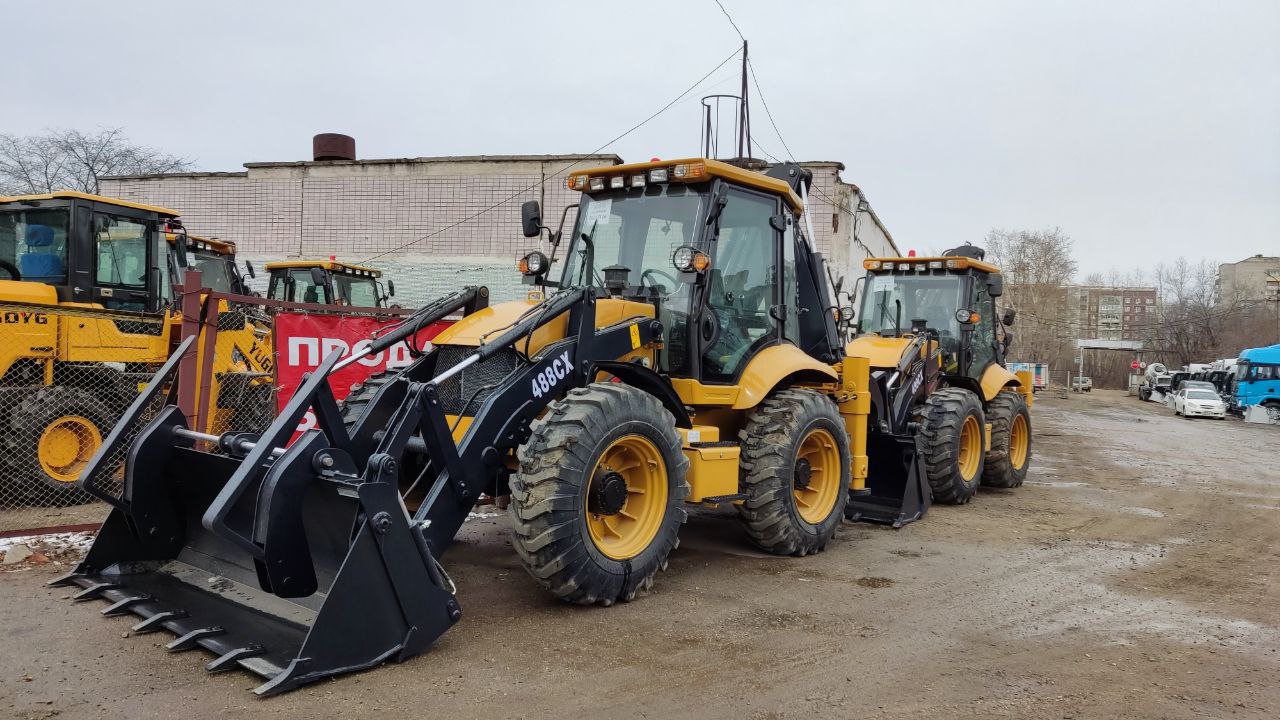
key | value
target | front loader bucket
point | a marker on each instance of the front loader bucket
(291, 564)
(897, 490)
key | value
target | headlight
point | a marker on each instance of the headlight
(637, 181)
(687, 258)
(658, 175)
(535, 263)
(596, 184)
(617, 182)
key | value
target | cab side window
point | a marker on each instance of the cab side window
(741, 284)
(983, 345)
(122, 251)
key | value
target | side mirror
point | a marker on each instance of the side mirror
(391, 288)
(248, 267)
(531, 218)
(1009, 315)
(995, 285)
(317, 277)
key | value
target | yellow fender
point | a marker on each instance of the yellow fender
(996, 378)
(773, 365)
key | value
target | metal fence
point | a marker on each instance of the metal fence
(67, 374)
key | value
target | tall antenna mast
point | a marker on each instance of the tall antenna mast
(711, 130)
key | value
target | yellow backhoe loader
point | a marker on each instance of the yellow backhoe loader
(328, 282)
(684, 350)
(89, 314)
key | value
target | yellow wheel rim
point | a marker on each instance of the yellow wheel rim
(817, 476)
(626, 497)
(1019, 441)
(65, 447)
(970, 448)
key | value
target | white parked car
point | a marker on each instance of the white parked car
(1194, 401)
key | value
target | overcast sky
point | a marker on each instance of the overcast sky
(1143, 129)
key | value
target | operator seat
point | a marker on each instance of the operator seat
(37, 266)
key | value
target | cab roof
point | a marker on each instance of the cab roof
(710, 169)
(950, 262)
(76, 195)
(330, 265)
(213, 245)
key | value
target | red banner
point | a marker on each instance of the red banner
(303, 340)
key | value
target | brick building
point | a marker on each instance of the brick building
(1112, 313)
(427, 221)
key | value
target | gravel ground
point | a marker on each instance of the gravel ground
(1134, 575)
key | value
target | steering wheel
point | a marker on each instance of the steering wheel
(11, 269)
(656, 271)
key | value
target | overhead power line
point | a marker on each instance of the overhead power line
(559, 172)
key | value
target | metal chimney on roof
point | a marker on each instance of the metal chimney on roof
(333, 146)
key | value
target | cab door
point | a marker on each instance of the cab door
(742, 310)
(122, 262)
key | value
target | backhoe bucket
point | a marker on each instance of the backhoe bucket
(897, 490)
(292, 564)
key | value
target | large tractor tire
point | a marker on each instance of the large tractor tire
(52, 435)
(950, 441)
(1009, 456)
(795, 472)
(353, 405)
(599, 497)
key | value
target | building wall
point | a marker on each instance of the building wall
(1112, 313)
(427, 222)
(1253, 278)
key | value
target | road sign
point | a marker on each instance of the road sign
(1133, 365)
(1143, 365)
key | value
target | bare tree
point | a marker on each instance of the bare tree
(76, 160)
(1038, 266)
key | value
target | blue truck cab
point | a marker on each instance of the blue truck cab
(1257, 379)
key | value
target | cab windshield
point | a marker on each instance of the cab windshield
(215, 270)
(637, 231)
(932, 298)
(33, 245)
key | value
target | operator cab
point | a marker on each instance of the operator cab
(214, 258)
(328, 282)
(716, 248)
(87, 249)
(951, 296)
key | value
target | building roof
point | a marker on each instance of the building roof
(605, 157)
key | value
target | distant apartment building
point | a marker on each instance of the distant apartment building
(434, 223)
(1254, 278)
(1112, 313)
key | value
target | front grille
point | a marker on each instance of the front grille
(472, 386)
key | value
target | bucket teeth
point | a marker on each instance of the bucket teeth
(94, 591)
(189, 641)
(155, 622)
(227, 660)
(122, 606)
(64, 580)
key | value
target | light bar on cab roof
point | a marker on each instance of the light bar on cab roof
(675, 172)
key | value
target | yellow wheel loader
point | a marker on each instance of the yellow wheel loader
(328, 282)
(683, 350)
(89, 314)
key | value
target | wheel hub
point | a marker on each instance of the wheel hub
(608, 493)
(803, 473)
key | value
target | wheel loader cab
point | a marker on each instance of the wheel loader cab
(715, 248)
(215, 259)
(88, 249)
(327, 282)
(952, 297)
